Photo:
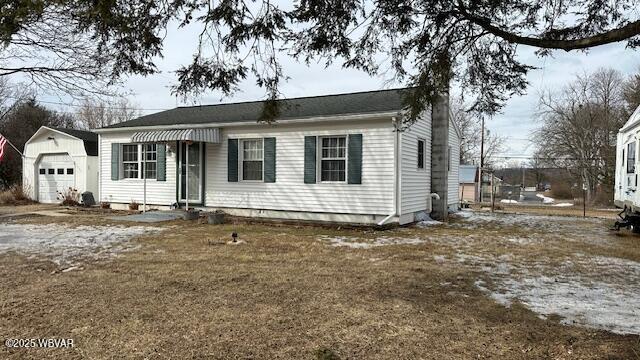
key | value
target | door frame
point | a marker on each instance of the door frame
(201, 200)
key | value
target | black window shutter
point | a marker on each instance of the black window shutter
(232, 160)
(270, 160)
(354, 167)
(115, 161)
(309, 159)
(161, 162)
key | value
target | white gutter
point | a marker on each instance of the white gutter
(396, 172)
(365, 116)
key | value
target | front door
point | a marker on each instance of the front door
(192, 182)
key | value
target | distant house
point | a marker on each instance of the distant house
(56, 159)
(469, 184)
(334, 158)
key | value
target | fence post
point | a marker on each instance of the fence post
(584, 202)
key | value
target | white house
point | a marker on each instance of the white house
(56, 159)
(331, 158)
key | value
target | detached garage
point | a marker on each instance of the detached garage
(56, 159)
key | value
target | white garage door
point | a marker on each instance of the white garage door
(55, 173)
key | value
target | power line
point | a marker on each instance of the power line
(525, 157)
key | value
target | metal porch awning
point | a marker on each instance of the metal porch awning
(210, 135)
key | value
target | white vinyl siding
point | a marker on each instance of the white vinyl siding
(415, 183)
(125, 190)
(290, 193)
(454, 167)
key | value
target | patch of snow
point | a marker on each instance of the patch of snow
(501, 299)
(507, 201)
(428, 222)
(563, 204)
(593, 304)
(521, 240)
(440, 259)
(67, 245)
(546, 199)
(597, 292)
(361, 243)
(464, 214)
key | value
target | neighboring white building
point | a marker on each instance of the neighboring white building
(455, 137)
(626, 195)
(56, 159)
(331, 158)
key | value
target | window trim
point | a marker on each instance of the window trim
(241, 160)
(319, 159)
(422, 166)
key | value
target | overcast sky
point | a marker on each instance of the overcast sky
(516, 122)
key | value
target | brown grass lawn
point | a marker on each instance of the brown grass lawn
(284, 294)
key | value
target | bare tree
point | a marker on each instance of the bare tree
(537, 164)
(11, 96)
(471, 129)
(632, 93)
(494, 144)
(579, 127)
(97, 114)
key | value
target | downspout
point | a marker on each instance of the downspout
(396, 172)
(99, 195)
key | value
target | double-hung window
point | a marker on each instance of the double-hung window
(150, 156)
(130, 161)
(139, 160)
(333, 158)
(252, 159)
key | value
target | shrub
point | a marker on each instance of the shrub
(69, 197)
(561, 190)
(134, 205)
(15, 195)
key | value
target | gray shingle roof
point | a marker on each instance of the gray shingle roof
(89, 138)
(295, 108)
